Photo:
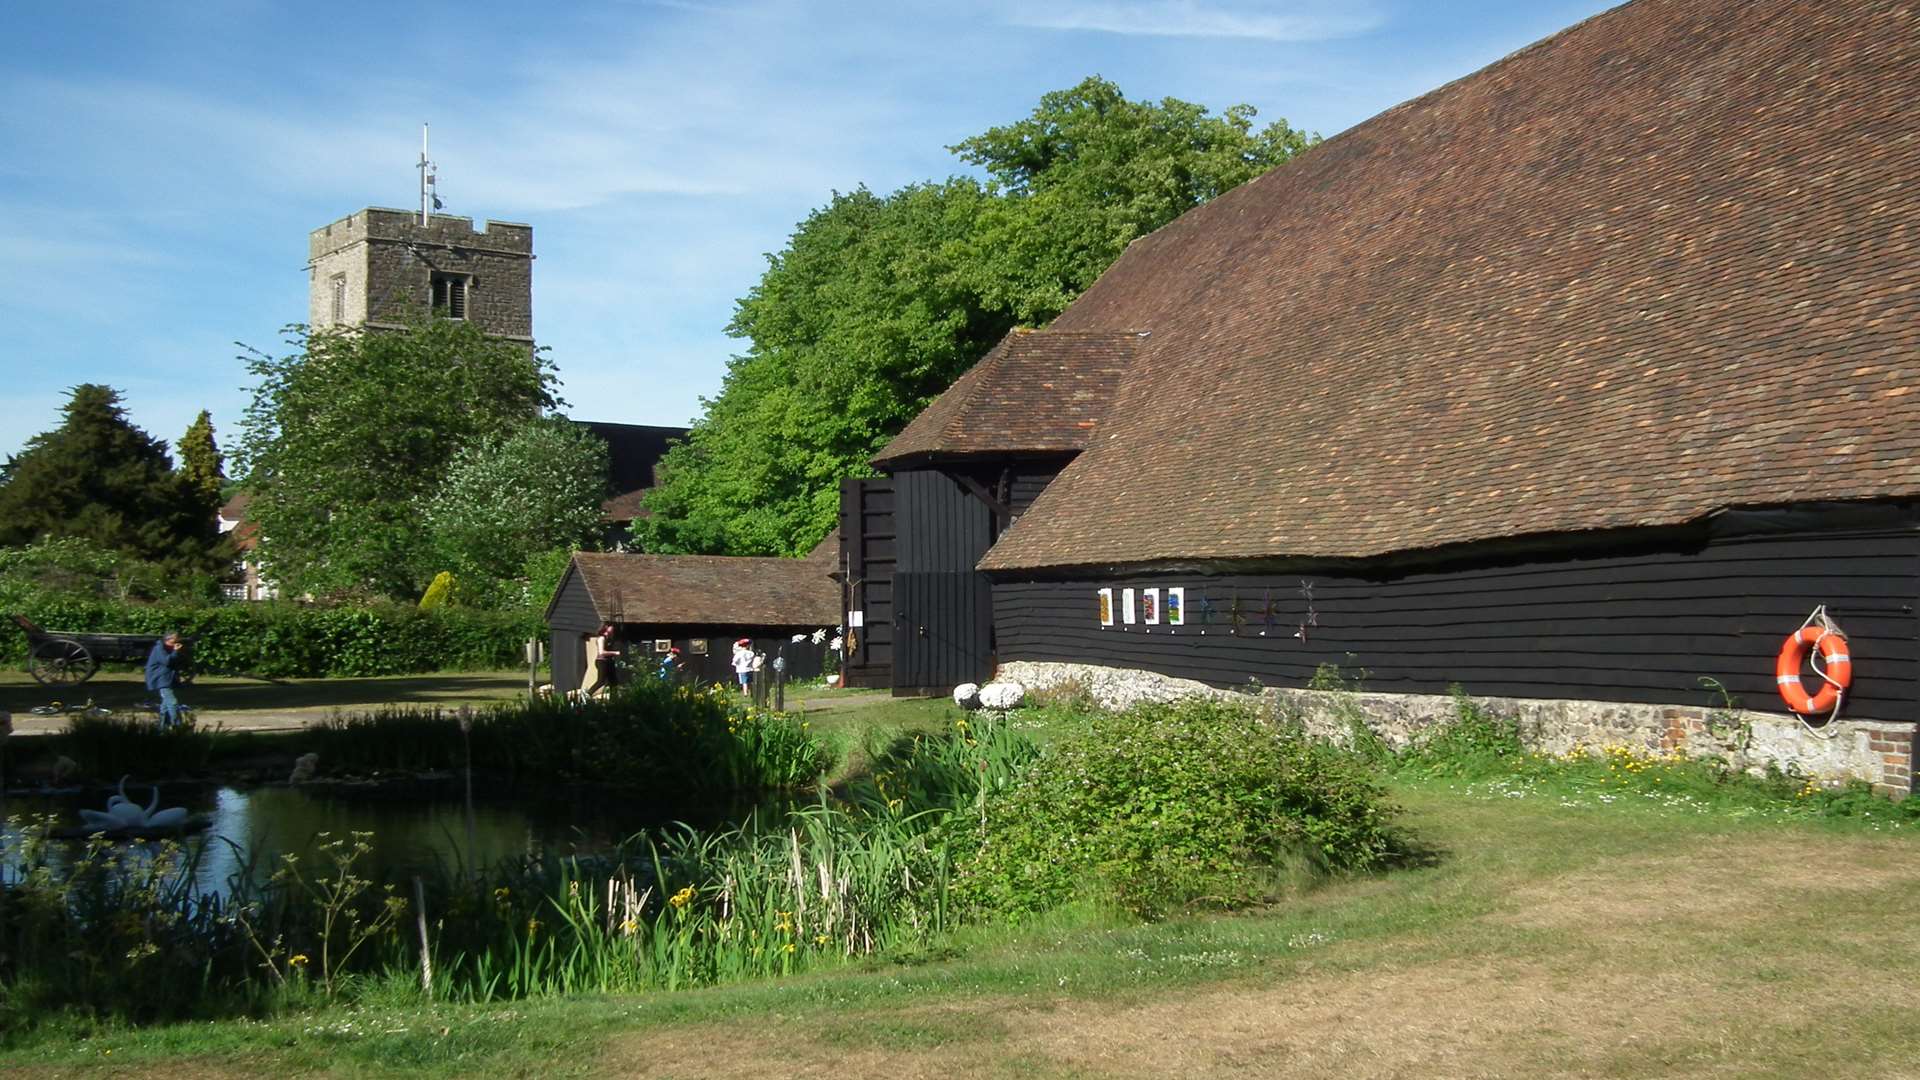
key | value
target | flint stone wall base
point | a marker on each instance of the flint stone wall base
(1878, 752)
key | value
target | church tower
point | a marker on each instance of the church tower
(375, 267)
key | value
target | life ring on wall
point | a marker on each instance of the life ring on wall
(1833, 665)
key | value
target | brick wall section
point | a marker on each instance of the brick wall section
(388, 259)
(1875, 751)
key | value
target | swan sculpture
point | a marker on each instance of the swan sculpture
(125, 815)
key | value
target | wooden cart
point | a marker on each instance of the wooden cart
(61, 658)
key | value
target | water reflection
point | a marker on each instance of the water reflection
(420, 829)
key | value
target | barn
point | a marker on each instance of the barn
(1579, 382)
(700, 604)
(954, 480)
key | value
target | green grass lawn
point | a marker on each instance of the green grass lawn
(122, 689)
(1533, 938)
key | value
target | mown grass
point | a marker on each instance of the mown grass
(1740, 926)
(122, 689)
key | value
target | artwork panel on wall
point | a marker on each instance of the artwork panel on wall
(1106, 607)
(1126, 606)
(1176, 606)
(1150, 606)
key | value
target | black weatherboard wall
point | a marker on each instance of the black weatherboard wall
(1642, 625)
(867, 536)
(911, 541)
(570, 620)
(942, 607)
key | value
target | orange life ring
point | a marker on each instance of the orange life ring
(1835, 664)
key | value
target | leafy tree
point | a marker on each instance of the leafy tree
(67, 566)
(201, 465)
(1090, 171)
(345, 437)
(509, 498)
(879, 302)
(854, 327)
(99, 478)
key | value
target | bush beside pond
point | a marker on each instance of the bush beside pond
(652, 735)
(1162, 807)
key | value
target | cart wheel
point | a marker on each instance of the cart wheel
(61, 662)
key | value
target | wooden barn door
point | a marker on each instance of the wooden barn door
(942, 607)
(943, 629)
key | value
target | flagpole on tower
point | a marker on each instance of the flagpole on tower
(427, 199)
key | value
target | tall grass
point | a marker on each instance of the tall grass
(121, 931)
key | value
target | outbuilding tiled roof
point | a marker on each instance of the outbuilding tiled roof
(1662, 263)
(1037, 391)
(709, 589)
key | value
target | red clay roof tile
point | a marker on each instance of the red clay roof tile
(1664, 262)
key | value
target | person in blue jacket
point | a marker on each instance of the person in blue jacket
(163, 674)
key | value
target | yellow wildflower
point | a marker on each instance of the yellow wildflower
(682, 898)
(298, 959)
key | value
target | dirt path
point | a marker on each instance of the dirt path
(1680, 966)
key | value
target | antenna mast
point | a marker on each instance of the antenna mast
(428, 198)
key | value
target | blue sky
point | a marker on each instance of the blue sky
(162, 164)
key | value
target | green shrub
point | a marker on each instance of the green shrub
(439, 592)
(1195, 804)
(1475, 742)
(289, 640)
(671, 741)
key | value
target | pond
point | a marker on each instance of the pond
(417, 828)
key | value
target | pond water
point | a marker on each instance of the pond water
(416, 829)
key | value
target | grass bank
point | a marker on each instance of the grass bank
(1537, 939)
(238, 699)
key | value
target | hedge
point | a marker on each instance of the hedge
(288, 640)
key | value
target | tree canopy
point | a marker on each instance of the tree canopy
(857, 324)
(878, 303)
(507, 498)
(202, 469)
(98, 478)
(348, 435)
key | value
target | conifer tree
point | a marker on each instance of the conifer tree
(99, 477)
(201, 463)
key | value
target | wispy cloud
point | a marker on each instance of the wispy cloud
(1189, 18)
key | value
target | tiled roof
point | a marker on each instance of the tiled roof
(827, 550)
(1664, 262)
(709, 589)
(633, 453)
(1038, 390)
(624, 508)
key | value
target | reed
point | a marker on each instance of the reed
(121, 931)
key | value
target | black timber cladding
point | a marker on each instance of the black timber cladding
(572, 607)
(638, 643)
(1644, 626)
(942, 619)
(911, 541)
(571, 619)
(867, 538)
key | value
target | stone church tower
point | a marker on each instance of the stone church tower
(374, 267)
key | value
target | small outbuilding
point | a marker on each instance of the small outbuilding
(640, 607)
